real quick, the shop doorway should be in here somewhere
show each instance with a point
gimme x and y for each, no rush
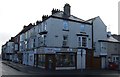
(89, 59)
(50, 62)
(35, 60)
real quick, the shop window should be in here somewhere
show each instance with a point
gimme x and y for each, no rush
(65, 60)
(41, 60)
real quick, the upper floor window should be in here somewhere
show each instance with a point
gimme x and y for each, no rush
(16, 46)
(65, 40)
(82, 28)
(44, 26)
(26, 42)
(42, 40)
(82, 41)
(33, 42)
(65, 25)
(79, 41)
(39, 28)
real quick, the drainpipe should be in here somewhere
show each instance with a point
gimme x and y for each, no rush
(92, 46)
(92, 35)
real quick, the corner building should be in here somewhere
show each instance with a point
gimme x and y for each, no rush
(59, 41)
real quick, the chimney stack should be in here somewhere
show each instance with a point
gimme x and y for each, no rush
(67, 10)
(55, 11)
(44, 17)
(109, 34)
(24, 26)
(38, 22)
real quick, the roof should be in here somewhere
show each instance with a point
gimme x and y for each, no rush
(60, 15)
(92, 19)
(116, 37)
(26, 28)
(110, 39)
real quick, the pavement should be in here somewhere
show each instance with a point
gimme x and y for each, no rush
(39, 71)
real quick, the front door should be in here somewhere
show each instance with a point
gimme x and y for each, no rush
(50, 62)
(89, 59)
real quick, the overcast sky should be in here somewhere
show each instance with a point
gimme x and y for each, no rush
(14, 14)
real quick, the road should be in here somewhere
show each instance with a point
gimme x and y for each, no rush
(6, 70)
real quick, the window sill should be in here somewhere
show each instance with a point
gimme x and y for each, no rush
(65, 30)
(43, 32)
(82, 47)
(65, 46)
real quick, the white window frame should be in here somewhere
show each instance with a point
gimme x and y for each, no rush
(42, 40)
(114, 58)
(80, 41)
(44, 26)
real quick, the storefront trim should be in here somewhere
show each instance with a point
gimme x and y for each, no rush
(65, 68)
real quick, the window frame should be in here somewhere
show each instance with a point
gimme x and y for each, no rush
(65, 40)
(80, 41)
(65, 25)
(82, 28)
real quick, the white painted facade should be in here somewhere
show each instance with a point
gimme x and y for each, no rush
(57, 32)
(81, 59)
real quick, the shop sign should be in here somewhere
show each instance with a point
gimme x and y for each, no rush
(57, 49)
(69, 50)
(49, 50)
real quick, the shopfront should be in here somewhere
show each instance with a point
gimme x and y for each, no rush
(58, 59)
(65, 60)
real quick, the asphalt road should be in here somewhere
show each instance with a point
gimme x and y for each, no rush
(6, 70)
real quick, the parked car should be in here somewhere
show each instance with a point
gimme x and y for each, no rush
(113, 66)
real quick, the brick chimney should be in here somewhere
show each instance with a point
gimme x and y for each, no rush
(67, 10)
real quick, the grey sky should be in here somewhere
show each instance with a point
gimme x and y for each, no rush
(14, 14)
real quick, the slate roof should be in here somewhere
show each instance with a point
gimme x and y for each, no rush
(92, 19)
(60, 14)
(110, 39)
